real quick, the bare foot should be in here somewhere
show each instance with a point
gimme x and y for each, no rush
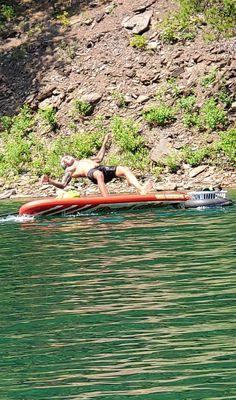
(147, 187)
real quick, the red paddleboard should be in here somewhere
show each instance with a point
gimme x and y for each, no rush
(55, 206)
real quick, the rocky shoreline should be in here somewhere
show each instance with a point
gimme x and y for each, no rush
(191, 179)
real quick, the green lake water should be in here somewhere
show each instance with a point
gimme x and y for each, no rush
(122, 306)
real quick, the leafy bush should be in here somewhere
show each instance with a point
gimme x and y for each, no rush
(24, 151)
(119, 99)
(138, 41)
(84, 108)
(214, 16)
(7, 12)
(16, 147)
(161, 115)
(221, 15)
(48, 115)
(188, 102)
(63, 18)
(22, 122)
(227, 144)
(179, 26)
(209, 78)
(172, 162)
(131, 143)
(195, 157)
(126, 134)
(190, 119)
(5, 122)
(224, 96)
(211, 115)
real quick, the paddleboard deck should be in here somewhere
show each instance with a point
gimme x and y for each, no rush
(77, 205)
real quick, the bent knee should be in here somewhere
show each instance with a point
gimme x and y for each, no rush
(120, 171)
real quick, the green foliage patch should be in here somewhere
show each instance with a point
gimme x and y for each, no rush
(159, 115)
(187, 103)
(131, 144)
(138, 41)
(48, 115)
(119, 99)
(7, 12)
(84, 108)
(216, 18)
(209, 78)
(227, 144)
(212, 116)
(195, 157)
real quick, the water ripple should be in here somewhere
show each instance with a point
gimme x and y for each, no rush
(137, 306)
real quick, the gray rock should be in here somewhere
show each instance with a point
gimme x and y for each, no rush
(46, 92)
(197, 170)
(7, 194)
(142, 99)
(138, 23)
(166, 186)
(144, 6)
(160, 150)
(177, 72)
(153, 45)
(91, 98)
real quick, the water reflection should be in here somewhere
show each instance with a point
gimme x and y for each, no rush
(114, 306)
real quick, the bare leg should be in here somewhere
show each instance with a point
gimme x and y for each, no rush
(99, 157)
(101, 184)
(132, 180)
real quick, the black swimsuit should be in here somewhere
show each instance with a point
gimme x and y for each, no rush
(108, 172)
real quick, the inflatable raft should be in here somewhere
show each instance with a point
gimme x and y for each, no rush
(68, 206)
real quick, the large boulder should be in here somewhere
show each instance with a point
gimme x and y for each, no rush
(138, 23)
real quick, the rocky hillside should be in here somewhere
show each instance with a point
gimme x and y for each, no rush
(163, 85)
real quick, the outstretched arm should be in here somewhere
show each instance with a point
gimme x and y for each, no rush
(60, 185)
(99, 157)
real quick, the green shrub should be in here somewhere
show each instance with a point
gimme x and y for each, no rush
(119, 99)
(227, 144)
(63, 18)
(157, 170)
(138, 160)
(126, 134)
(195, 157)
(216, 18)
(22, 122)
(138, 41)
(209, 78)
(211, 115)
(224, 96)
(48, 115)
(172, 162)
(173, 87)
(161, 115)
(84, 108)
(16, 147)
(179, 25)
(187, 103)
(23, 150)
(7, 12)
(5, 122)
(134, 154)
(221, 15)
(190, 119)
